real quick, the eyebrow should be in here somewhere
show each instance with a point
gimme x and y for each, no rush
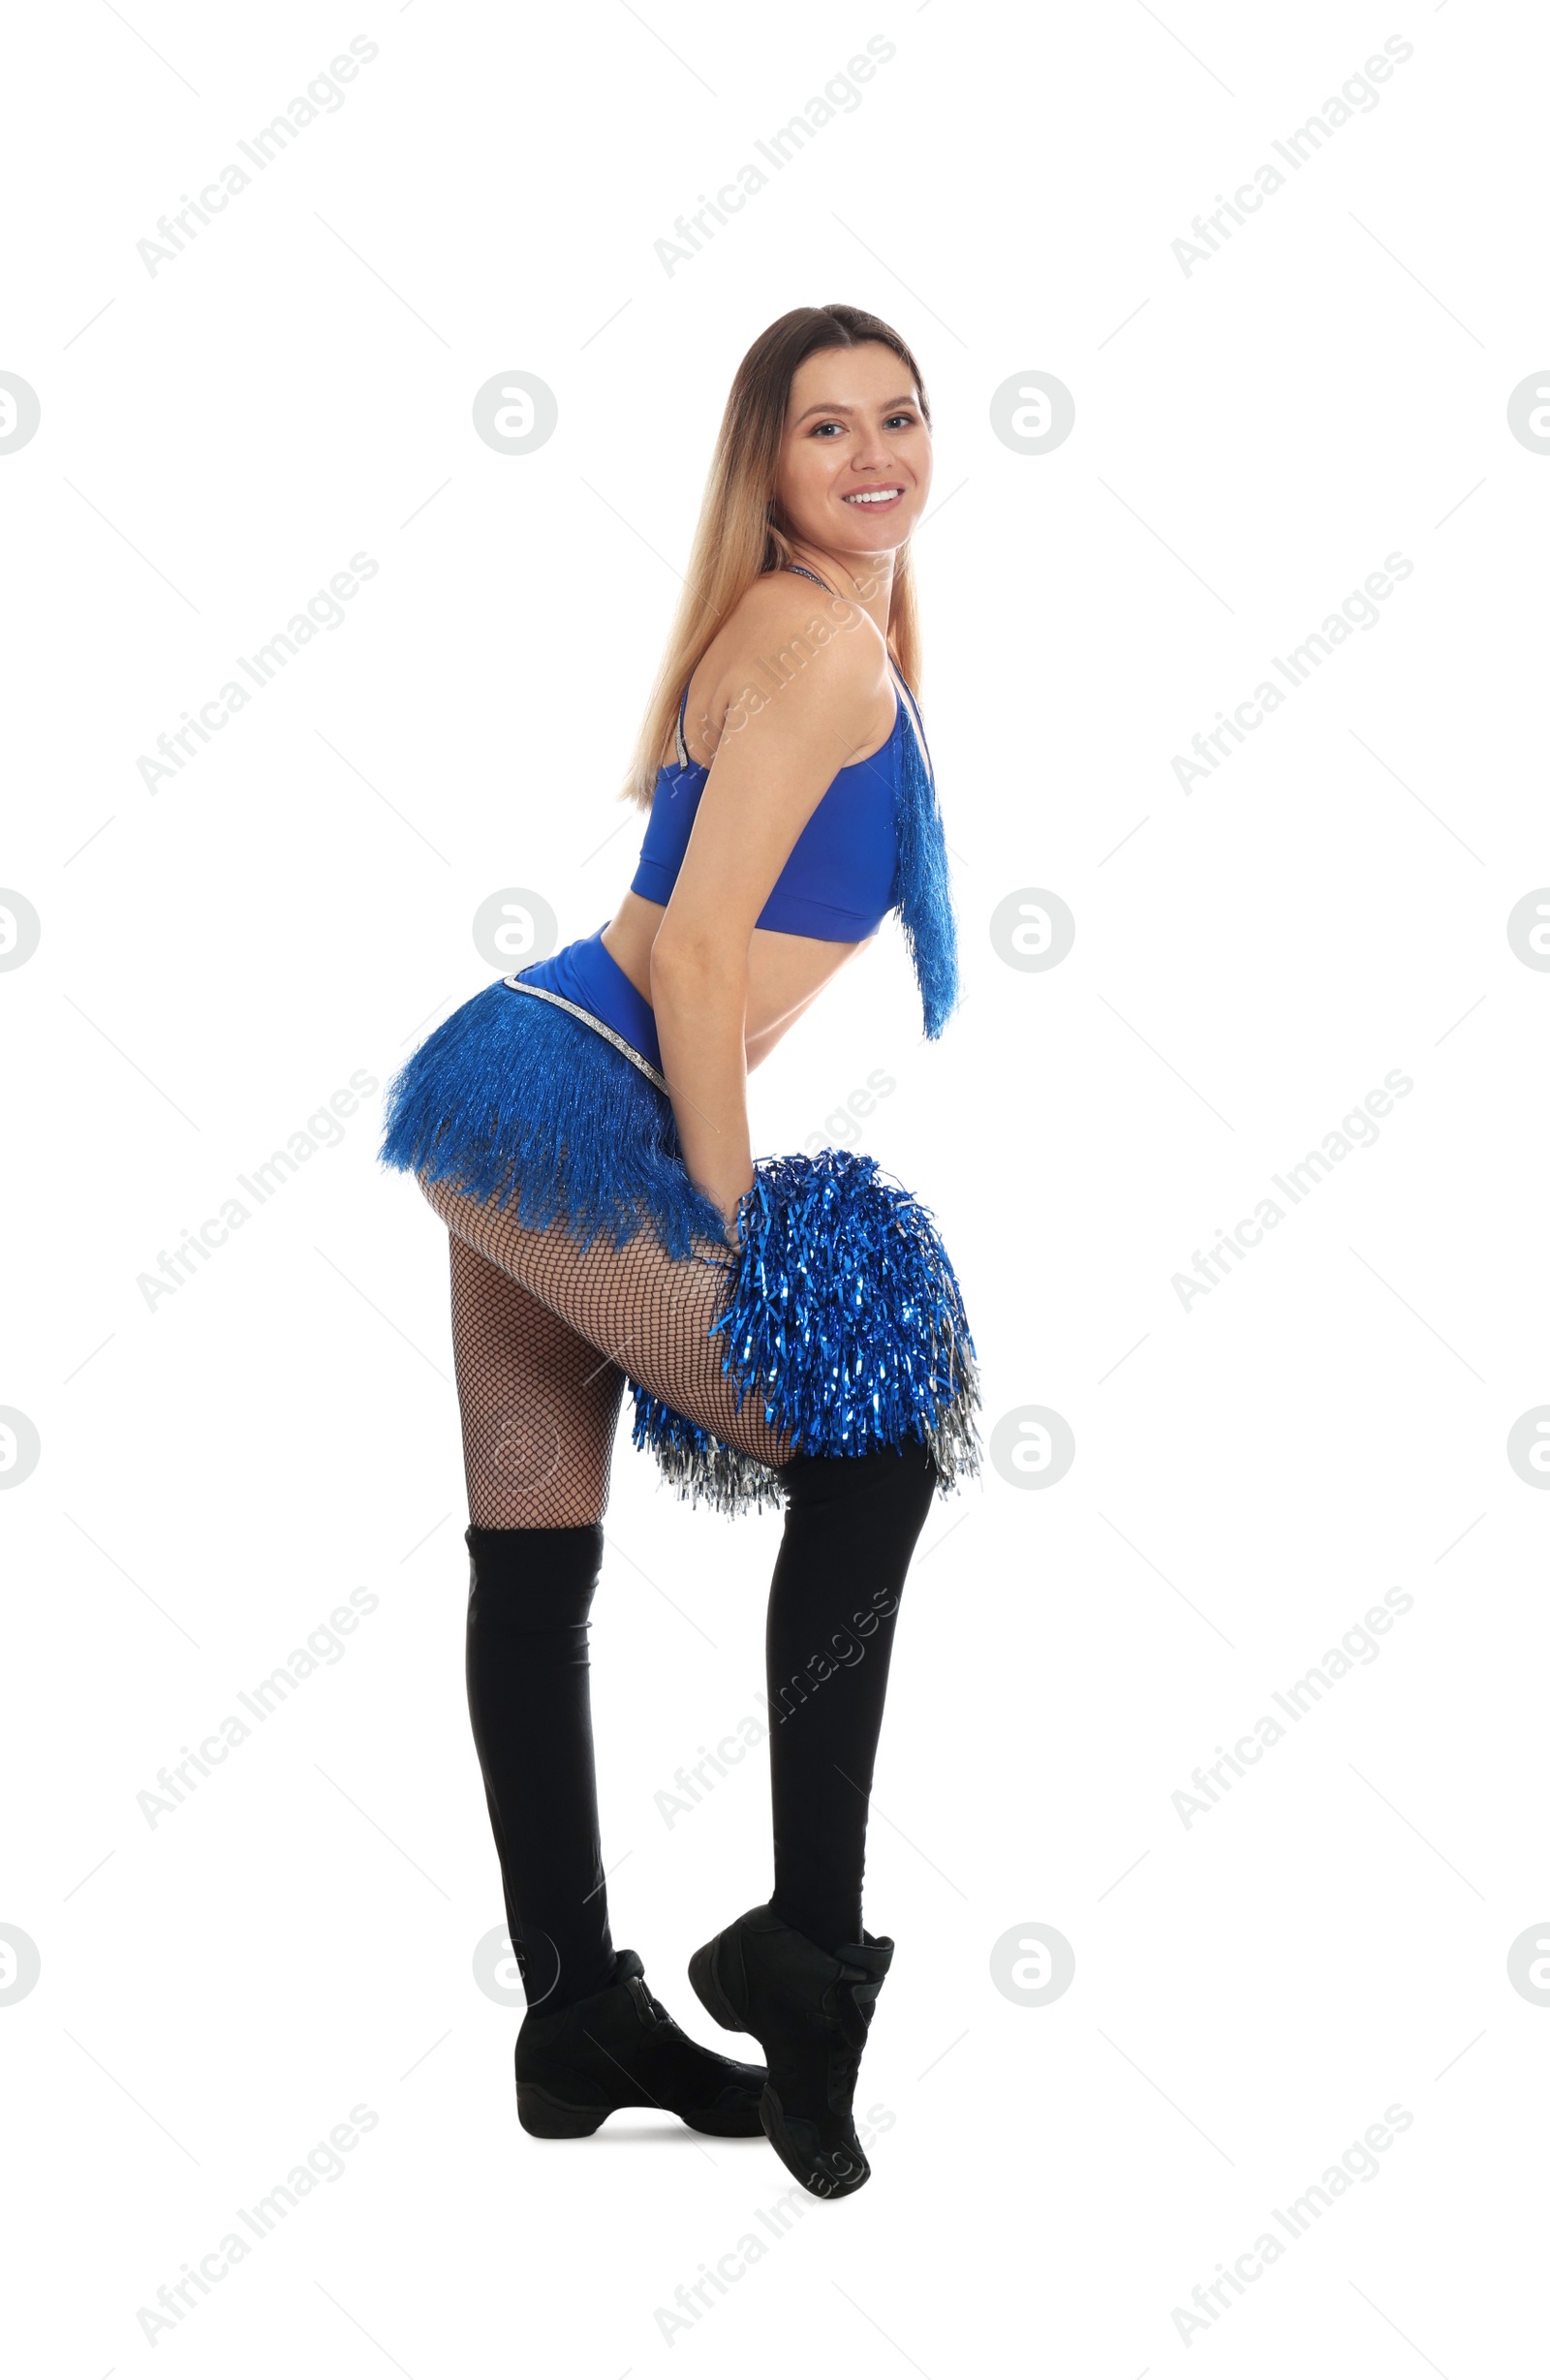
(888, 404)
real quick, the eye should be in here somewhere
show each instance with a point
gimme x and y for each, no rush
(906, 421)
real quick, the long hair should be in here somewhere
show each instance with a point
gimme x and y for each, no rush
(738, 537)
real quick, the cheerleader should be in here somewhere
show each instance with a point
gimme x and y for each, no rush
(789, 1329)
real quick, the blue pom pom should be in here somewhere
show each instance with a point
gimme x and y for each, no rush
(843, 1316)
(924, 886)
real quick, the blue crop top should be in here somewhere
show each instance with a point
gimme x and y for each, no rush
(841, 876)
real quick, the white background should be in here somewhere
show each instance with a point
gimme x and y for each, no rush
(1252, 1473)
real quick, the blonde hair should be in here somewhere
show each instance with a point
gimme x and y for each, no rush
(738, 536)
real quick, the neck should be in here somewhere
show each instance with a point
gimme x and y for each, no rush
(864, 579)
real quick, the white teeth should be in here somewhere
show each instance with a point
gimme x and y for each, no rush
(876, 495)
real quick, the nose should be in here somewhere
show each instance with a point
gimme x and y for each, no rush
(872, 451)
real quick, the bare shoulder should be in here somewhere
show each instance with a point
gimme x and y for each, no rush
(790, 655)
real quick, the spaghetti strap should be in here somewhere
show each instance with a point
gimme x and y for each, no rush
(912, 707)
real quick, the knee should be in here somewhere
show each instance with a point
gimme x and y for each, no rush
(893, 1484)
(533, 1580)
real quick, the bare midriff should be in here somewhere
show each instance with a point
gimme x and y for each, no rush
(786, 971)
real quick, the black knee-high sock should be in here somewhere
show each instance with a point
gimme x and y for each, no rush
(530, 1593)
(852, 1521)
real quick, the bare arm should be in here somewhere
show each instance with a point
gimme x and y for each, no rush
(764, 783)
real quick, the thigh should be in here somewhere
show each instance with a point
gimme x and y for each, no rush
(649, 1313)
(540, 1405)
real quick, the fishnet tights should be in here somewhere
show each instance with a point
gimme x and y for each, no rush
(542, 1335)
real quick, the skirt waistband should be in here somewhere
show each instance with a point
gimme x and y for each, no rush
(537, 991)
(588, 980)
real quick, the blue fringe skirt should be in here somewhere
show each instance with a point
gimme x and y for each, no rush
(840, 1313)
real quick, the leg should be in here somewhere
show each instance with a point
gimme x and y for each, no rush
(538, 1409)
(648, 1312)
(852, 1522)
(798, 1972)
(540, 1405)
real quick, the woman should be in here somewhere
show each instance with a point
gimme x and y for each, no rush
(790, 1332)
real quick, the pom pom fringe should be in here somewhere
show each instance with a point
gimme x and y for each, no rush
(924, 886)
(843, 1313)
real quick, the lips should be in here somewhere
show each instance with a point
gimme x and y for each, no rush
(873, 500)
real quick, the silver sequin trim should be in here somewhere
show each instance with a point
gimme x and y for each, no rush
(536, 991)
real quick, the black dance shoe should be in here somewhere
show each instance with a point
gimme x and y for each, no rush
(620, 2048)
(810, 2014)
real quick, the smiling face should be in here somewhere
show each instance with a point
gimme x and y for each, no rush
(855, 456)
